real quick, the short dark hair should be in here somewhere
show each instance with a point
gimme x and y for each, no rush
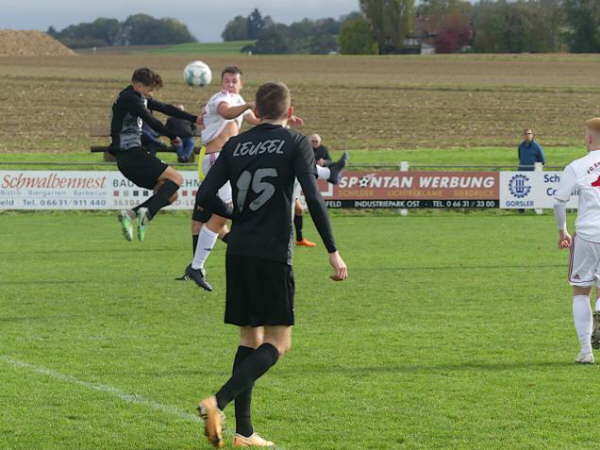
(272, 100)
(147, 77)
(232, 70)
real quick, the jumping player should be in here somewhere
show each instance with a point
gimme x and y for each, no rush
(130, 110)
(224, 114)
(261, 165)
(583, 175)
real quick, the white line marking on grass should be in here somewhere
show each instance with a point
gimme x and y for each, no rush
(130, 398)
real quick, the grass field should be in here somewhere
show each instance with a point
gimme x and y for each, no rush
(488, 158)
(396, 102)
(452, 332)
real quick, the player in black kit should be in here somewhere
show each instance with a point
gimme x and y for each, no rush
(261, 165)
(129, 111)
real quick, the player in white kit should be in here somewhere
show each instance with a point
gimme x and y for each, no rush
(583, 176)
(224, 114)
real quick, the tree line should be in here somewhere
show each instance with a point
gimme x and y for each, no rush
(137, 29)
(305, 36)
(380, 26)
(402, 26)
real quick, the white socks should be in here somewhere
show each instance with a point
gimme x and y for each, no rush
(582, 317)
(598, 304)
(323, 172)
(206, 242)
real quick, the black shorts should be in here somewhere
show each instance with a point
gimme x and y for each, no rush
(259, 292)
(140, 167)
(200, 214)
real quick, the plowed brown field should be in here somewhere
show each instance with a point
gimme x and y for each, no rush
(49, 103)
(30, 43)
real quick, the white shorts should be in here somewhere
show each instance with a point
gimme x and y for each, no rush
(584, 265)
(225, 192)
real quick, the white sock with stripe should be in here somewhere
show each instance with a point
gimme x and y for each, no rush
(206, 242)
(582, 317)
(323, 172)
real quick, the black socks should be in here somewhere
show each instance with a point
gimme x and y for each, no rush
(298, 226)
(243, 421)
(249, 370)
(160, 199)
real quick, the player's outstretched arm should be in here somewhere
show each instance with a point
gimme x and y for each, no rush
(170, 110)
(228, 112)
(318, 213)
(250, 117)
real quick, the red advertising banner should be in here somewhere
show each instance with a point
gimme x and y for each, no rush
(395, 189)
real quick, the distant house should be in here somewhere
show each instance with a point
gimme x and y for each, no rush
(427, 49)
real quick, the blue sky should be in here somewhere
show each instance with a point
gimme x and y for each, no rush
(204, 18)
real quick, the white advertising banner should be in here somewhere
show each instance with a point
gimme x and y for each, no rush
(526, 190)
(58, 189)
(62, 189)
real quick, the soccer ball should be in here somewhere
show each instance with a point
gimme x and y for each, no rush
(197, 74)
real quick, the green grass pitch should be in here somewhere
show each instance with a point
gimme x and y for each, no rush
(454, 331)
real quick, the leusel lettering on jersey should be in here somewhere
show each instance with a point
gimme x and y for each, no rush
(250, 148)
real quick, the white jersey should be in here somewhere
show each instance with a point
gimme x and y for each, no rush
(214, 123)
(583, 176)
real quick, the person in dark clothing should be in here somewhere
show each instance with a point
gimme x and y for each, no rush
(150, 140)
(186, 131)
(323, 159)
(129, 111)
(530, 151)
(321, 152)
(261, 165)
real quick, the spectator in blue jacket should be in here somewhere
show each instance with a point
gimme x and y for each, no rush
(150, 140)
(530, 151)
(186, 131)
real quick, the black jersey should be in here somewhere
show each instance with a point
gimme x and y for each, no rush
(321, 152)
(261, 165)
(130, 110)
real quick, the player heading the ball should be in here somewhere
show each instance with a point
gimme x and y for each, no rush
(129, 111)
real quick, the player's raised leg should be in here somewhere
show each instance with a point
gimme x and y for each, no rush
(333, 172)
(165, 193)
